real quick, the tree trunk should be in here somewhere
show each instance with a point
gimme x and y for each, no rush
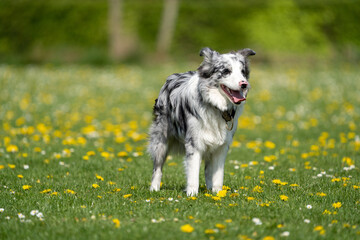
(167, 27)
(115, 30)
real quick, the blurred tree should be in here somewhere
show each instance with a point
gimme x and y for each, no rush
(121, 44)
(115, 29)
(167, 27)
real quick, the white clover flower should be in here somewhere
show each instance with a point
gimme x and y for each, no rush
(34, 212)
(21, 216)
(40, 215)
(306, 221)
(2, 210)
(147, 200)
(26, 166)
(257, 221)
(308, 206)
(285, 234)
(170, 199)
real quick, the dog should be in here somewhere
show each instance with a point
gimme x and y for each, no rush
(196, 113)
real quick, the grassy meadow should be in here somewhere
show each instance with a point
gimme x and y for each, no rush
(73, 162)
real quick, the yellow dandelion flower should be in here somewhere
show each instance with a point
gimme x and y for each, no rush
(221, 193)
(127, 195)
(234, 195)
(54, 193)
(12, 166)
(12, 148)
(99, 177)
(269, 144)
(209, 231)
(116, 222)
(258, 189)
(46, 191)
(70, 191)
(86, 157)
(20, 176)
(250, 198)
(337, 205)
(318, 228)
(26, 187)
(228, 220)
(95, 185)
(284, 198)
(90, 153)
(122, 154)
(348, 161)
(226, 188)
(276, 181)
(326, 212)
(2, 167)
(216, 198)
(105, 155)
(335, 180)
(268, 238)
(321, 194)
(187, 228)
(220, 226)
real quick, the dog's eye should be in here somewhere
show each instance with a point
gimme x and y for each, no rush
(243, 72)
(226, 72)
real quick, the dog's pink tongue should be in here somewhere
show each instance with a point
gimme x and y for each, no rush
(237, 96)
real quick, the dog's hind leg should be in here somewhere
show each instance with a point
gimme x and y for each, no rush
(158, 149)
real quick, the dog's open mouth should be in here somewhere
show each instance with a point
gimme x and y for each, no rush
(235, 96)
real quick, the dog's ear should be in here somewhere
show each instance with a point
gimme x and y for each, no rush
(247, 52)
(208, 54)
(206, 69)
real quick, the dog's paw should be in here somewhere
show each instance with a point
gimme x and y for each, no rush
(191, 191)
(154, 188)
(216, 189)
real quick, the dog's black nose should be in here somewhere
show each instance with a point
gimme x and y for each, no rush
(243, 84)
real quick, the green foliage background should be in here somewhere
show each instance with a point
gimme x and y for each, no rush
(76, 31)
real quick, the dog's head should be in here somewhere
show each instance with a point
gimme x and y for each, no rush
(225, 76)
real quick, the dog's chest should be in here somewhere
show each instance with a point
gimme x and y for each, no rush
(212, 132)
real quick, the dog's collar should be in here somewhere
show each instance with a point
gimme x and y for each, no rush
(228, 116)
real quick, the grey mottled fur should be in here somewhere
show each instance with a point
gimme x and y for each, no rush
(188, 117)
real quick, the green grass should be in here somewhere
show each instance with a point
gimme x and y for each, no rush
(297, 125)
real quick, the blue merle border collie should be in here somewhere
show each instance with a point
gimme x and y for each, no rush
(196, 114)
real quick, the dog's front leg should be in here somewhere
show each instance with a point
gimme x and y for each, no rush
(192, 162)
(214, 169)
